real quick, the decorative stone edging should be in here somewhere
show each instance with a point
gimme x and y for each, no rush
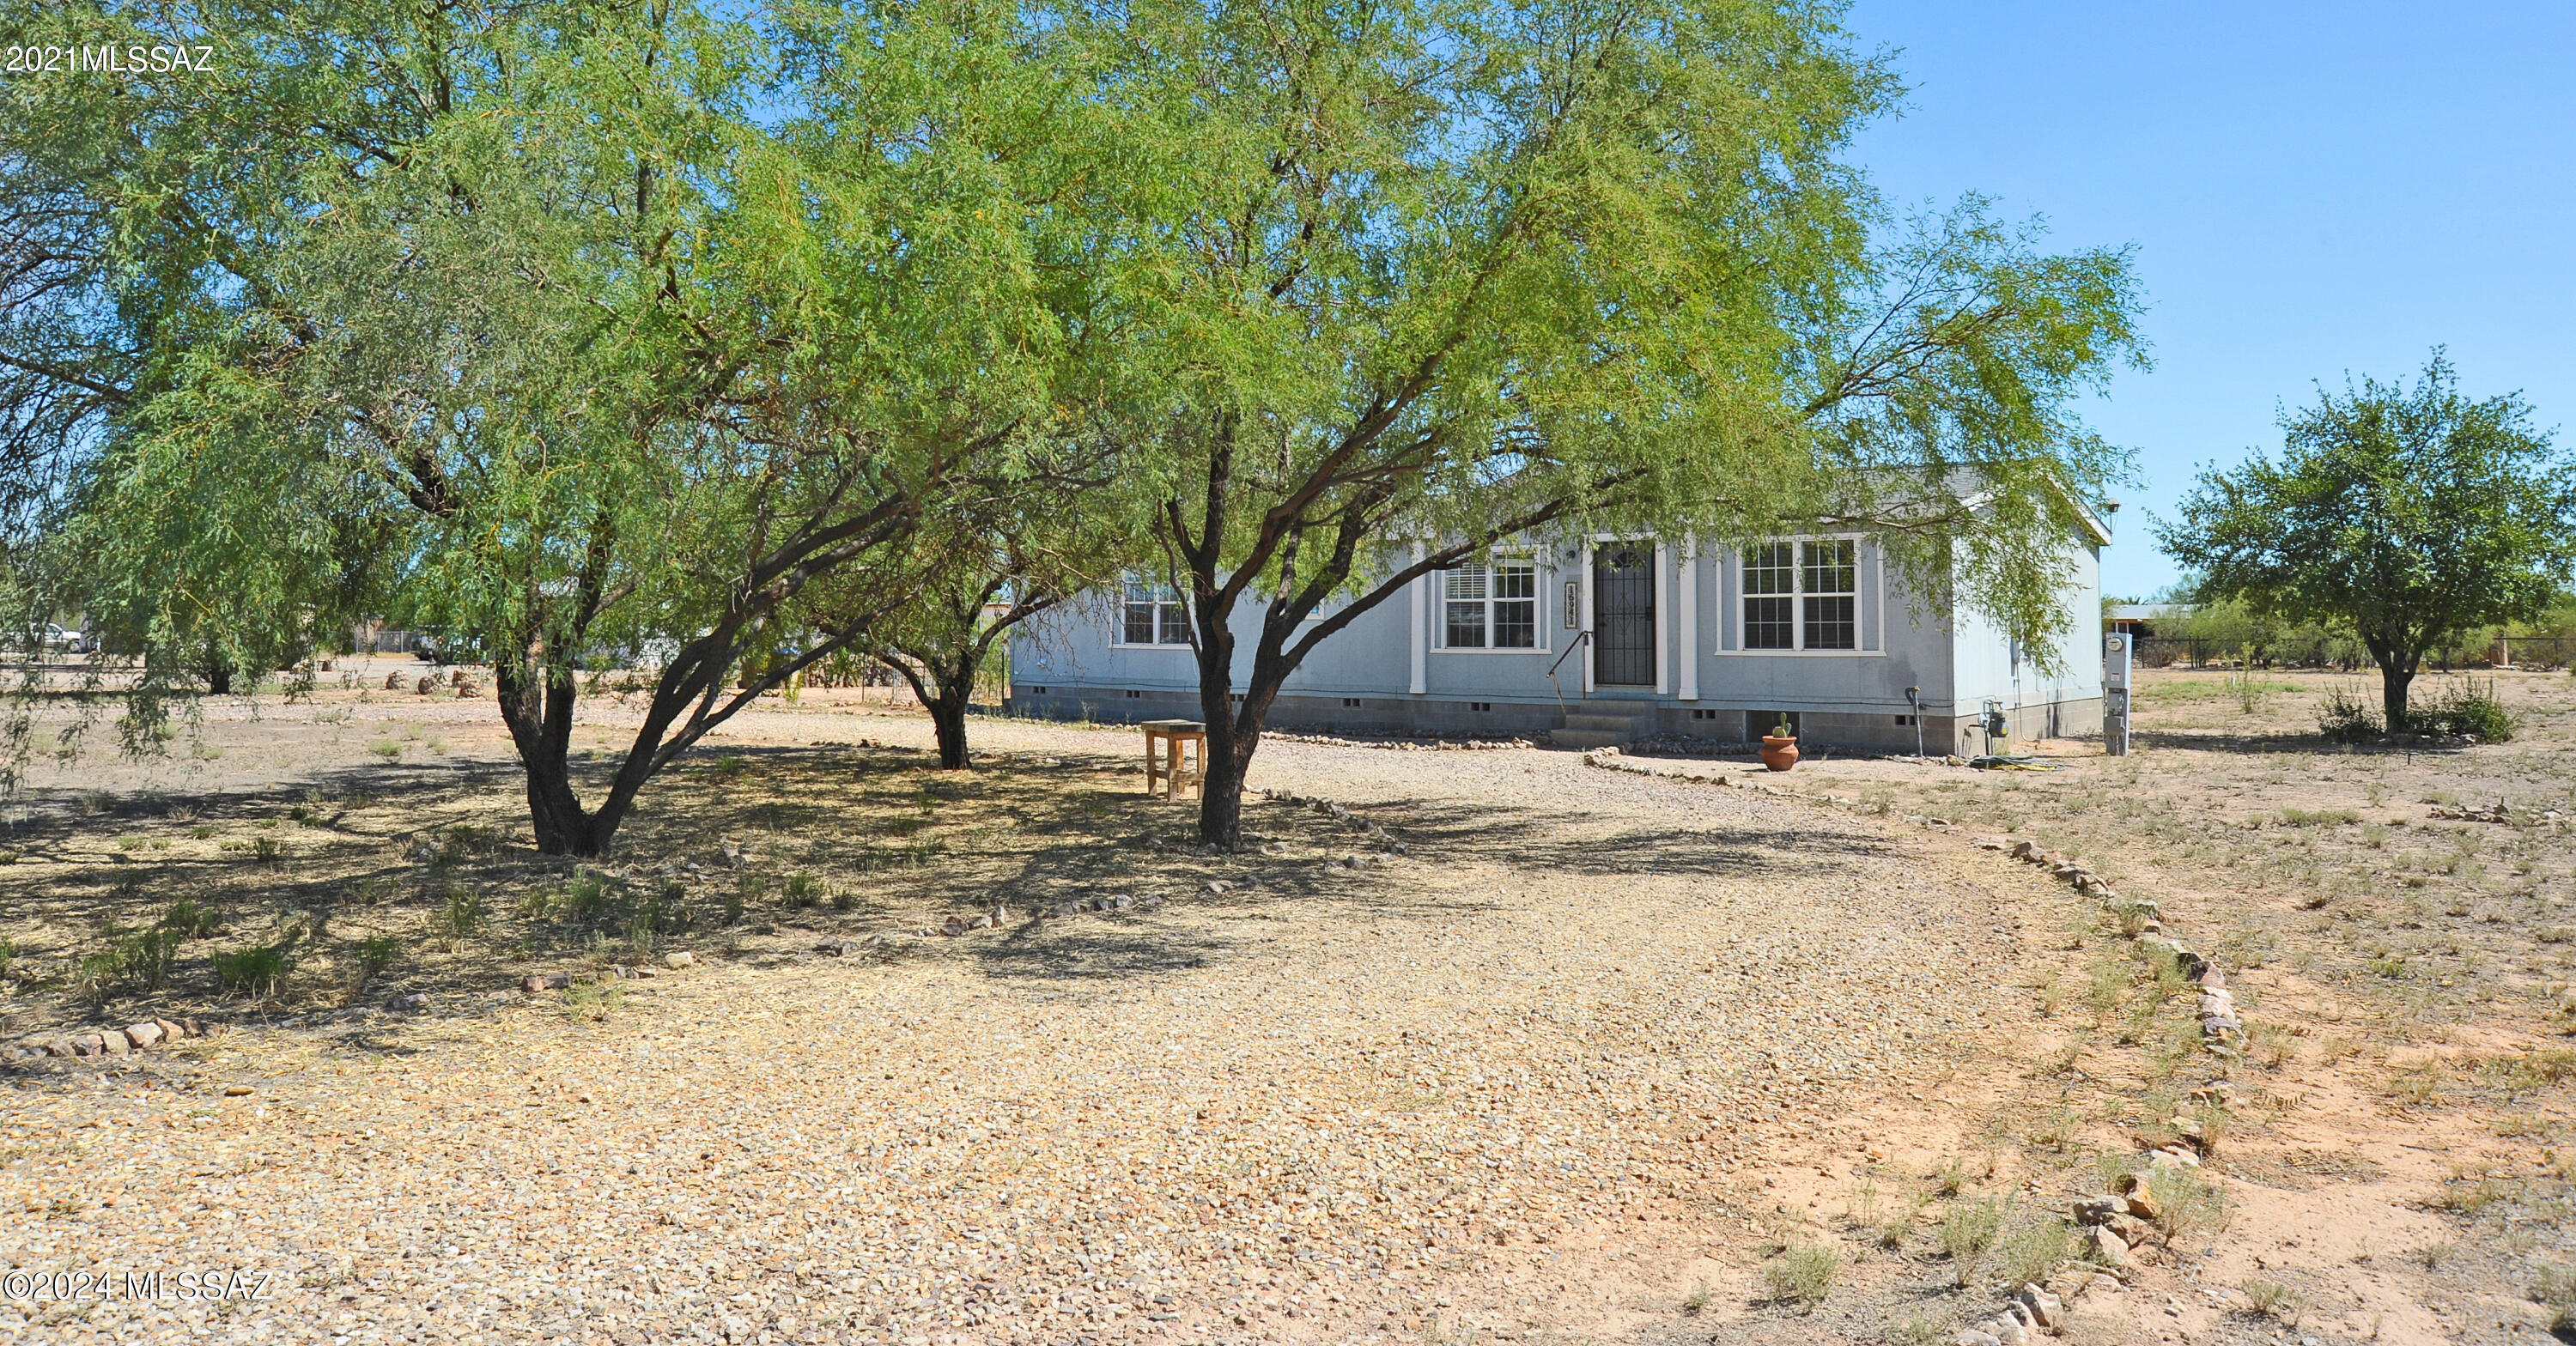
(112, 1041)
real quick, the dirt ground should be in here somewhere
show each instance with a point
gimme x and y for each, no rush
(1568, 1055)
(2405, 1168)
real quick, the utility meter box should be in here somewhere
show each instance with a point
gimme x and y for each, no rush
(2115, 693)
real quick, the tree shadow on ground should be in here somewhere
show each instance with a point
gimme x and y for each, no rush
(743, 852)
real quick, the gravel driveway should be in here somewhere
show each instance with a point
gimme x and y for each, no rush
(1443, 1096)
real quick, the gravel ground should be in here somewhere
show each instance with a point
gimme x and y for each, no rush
(1452, 1095)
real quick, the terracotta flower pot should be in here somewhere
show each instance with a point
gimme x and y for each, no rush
(1779, 754)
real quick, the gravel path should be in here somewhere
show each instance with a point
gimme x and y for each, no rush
(1427, 1099)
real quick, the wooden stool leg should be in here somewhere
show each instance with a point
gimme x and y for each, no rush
(1172, 774)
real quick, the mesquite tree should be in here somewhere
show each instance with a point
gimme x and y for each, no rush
(995, 563)
(2406, 516)
(596, 354)
(1439, 274)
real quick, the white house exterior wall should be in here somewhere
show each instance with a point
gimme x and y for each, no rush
(1068, 665)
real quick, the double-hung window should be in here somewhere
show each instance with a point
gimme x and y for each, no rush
(1153, 615)
(1802, 595)
(1490, 607)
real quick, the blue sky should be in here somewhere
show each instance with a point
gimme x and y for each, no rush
(2310, 189)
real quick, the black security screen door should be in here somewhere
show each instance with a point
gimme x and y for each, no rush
(1623, 616)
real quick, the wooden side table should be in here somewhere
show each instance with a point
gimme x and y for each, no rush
(1164, 758)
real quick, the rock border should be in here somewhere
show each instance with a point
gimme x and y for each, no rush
(102, 1042)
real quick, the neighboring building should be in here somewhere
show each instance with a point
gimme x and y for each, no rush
(2139, 619)
(1719, 646)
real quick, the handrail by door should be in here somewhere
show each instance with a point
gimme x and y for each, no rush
(1581, 639)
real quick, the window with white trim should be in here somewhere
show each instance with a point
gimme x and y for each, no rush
(1153, 615)
(1490, 607)
(1802, 595)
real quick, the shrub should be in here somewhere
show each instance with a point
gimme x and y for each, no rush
(2032, 1251)
(2271, 1299)
(2185, 1202)
(147, 955)
(375, 954)
(729, 766)
(1967, 1230)
(1804, 1272)
(588, 898)
(593, 1001)
(2554, 1289)
(2464, 710)
(188, 920)
(256, 971)
(801, 890)
(8, 955)
(2346, 716)
(463, 912)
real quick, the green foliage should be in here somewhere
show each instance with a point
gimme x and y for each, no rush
(2462, 709)
(460, 913)
(1803, 1272)
(137, 958)
(2186, 1203)
(1968, 1228)
(2272, 1299)
(255, 971)
(2345, 717)
(2554, 1289)
(2406, 516)
(2032, 1250)
(188, 919)
(375, 954)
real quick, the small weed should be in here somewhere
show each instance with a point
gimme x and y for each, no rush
(2319, 817)
(1949, 1179)
(386, 748)
(268, 851)
(1803, 1272)
(2185, 1202)
(461, 914)
(593, 1001)
(1697, 1300)
(2417, 1083)
(189, 920)
(2555, 1290)
(375, 954)
(2432, 1255)
(2033, 1250)
(1891, 1231)
(587, 898)
(255, 971)
(1967, 1230)
(2272, 1299)
(800, 891)
(729, 767)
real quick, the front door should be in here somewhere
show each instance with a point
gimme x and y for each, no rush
(1623, 615)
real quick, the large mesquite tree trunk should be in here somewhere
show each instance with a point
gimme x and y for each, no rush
(539, 689)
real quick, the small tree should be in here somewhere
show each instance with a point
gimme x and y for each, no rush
(994, 565)
(2406, 515)
(1425, 274)
(590, 357)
